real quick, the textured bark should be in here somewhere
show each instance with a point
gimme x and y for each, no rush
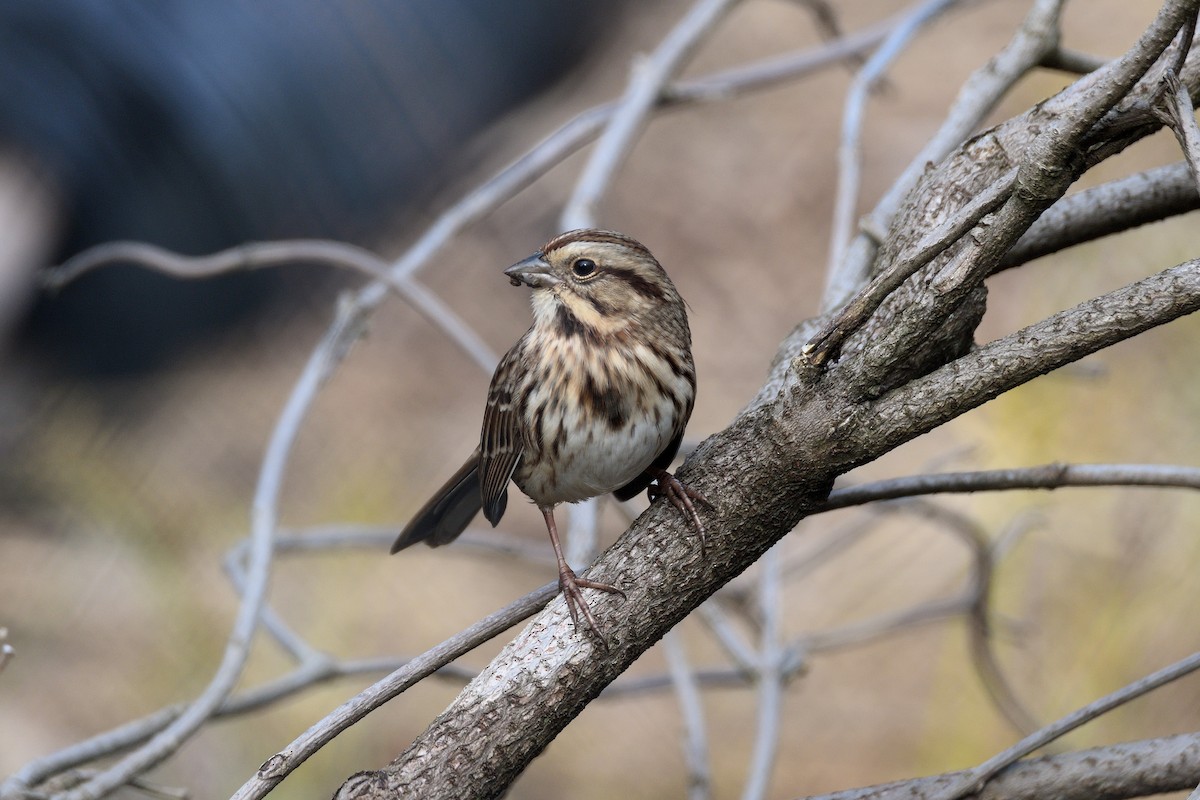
(910, 369)
(1131, 769)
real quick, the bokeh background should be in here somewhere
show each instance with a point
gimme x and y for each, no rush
(129, 460)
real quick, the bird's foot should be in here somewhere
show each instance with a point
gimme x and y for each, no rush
(684, 498)
(571, 587)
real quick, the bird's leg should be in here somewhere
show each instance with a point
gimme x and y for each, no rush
(569, 584)
(681, 496)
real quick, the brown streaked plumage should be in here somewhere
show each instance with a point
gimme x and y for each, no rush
(593, 398)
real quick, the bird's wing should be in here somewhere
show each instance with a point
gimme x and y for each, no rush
(501, 442)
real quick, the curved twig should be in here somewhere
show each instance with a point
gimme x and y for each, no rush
(631, 112)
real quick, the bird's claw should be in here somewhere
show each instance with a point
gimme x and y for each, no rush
(571, 587)
(684, 498)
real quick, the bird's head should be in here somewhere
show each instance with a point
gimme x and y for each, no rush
(595, 282)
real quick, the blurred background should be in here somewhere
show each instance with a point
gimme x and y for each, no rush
(134, 409)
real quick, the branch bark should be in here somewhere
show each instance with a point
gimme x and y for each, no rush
(906, 372)
(1130, 769)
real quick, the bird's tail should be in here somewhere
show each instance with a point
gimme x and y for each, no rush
(448, 513)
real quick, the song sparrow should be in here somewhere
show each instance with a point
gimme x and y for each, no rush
(592, 399)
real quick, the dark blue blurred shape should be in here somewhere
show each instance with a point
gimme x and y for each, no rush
(199, 124)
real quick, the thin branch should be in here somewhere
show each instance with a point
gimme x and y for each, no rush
(713, 615)
(1005, 363)
(1038, 35)
(263, 519)
(489, 541)
(631, 112)
(280, 765)
(1046, 476)
(974, 779)
(849, 148)
(259, 255)
(982, 642)
(771, 678)
(827, 343)
(1103, 210)
(881, 625)
(291, 642)
(775, 70)
(711, 678)
(691, 710)
(1065, 59)
(1183, 46)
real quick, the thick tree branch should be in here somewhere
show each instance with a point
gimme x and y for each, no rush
(1006, 363)
(907, 372)
(1115, 772)
(1038, 36)
(775, 463)
(1112, 207)
(933, 317)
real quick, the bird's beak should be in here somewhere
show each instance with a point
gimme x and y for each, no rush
(533, 271)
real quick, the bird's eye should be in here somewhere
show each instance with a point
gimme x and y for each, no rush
(583, 267)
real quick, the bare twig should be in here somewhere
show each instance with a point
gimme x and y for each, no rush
(1064, 59)
(1103, 210)
(713, 615)
(849, 155)
(771, 678)
(6, 649)
(280, 765)
(1046, 476)
(974, 779)
(259, 255)
(777, 69)
(983, 651)
(691, 710)
(1183, 46)
(828, 341)
(291, 642)
(379, 537)
(646, 86)
(1037, 36)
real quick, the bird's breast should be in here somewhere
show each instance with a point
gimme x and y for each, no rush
(596, 426)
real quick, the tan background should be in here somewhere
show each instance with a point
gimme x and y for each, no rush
(126, 495)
